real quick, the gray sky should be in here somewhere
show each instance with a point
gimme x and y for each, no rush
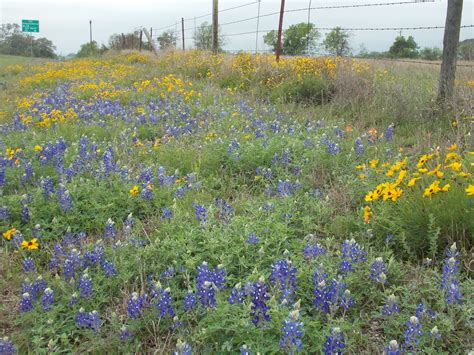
(66, 22)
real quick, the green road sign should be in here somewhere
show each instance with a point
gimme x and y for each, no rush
(30, 26)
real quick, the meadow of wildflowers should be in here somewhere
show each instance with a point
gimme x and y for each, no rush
(214, 204)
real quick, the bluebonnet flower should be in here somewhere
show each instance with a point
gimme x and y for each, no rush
(225, 211)
(47, 299)
(291, 333)
(351, 253)
(359, 147)
(4, 213)
(88, 320)
(259, 297)
(125, 335)
(449, 282)
(333, 148)
(26, 302)
(25, 214)
(136, 304)
(164, 302)
(110, 231)
(48, 186)
(85, 286)
(339, 132)
(244, 350)
(412, 334)
(109, 268)
(200, 212)
(389, 133)
(17, 239)
(390, 306)
(3, 178)
(283, 276)
(147, 191)
(7, 347)
(38, 286)
(93, 257)
(252, 238)
(166, 214)
(286, 188)
(182, 348)
(74, 299)
(65, 199)
(313, 250)
(29, 265)
(237, 294)
(334, 343)
(422, 311)
(36, 231)
(267, 206)
(378, 271)
(393, 348)
(346, 300)
(434, 333)
(190, 301)
(72, 264)
(169, 272)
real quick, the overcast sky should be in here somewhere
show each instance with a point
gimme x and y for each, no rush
(66, 22)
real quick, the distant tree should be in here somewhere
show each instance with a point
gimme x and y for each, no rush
(337, 42)
(404, 48)
(167, 39)
(88, 50)
(466, 49)
(125, 41)
(428, 53)
(203, 37)
(15, 42)
(296, 40)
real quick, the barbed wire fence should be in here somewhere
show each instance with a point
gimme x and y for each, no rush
(190, 25)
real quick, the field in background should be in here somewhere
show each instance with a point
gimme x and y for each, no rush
(229, 202)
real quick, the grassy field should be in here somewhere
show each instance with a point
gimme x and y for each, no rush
(206, 204)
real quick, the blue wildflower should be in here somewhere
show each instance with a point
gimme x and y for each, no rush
(25, 214)
(449, 281)
(390, 306)
(7, 347)
(29, 265)
(313, 250)
(259, 297)
(125, 335)
(85, 286)
(252, 238)
(136, 304)
(359, 147)
(200, 212)
(291, 333)
(283, 276)
(389, 133)
(378, 271)
(393, 348)
(182, 348)
(26, 302)
(237, 294)
(47, 299)
(225, 211)
(412, 334)
(351, 253)
(109, 268)
(190, 301)
(334, 342)
(110, 231)
(166, 214)
(164, 302)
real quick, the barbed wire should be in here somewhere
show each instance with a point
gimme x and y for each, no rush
(413, 61)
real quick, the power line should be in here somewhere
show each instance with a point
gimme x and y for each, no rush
(223, 10)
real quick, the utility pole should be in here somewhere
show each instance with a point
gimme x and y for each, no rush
(150, 41)
(309, 30)
(182, 32)
(215, 26)
(450, 47)
(90, 33)
(280, 28)
(258, 23)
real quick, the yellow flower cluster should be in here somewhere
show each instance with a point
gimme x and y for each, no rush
(448, 167)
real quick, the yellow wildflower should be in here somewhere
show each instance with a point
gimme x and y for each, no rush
(362, 176)
(30, 245)
(367, 214)
(373, 163)
(470, 190)
(463, 174)
(38, 148)
(8, 234)
(134, 191)
(453, 147)
(423, 159)
(360, 167)
(413, 181)
(455, 166)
